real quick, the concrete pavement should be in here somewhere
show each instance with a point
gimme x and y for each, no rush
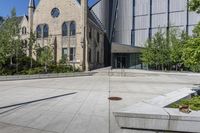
(85, 112)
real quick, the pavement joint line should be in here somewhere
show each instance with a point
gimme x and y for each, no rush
(77, 112)
(15, 125)
(39, 100)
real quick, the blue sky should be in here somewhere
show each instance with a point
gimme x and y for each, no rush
(20, 5)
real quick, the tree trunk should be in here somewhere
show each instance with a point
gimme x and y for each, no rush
(31, 62)
(162, 67)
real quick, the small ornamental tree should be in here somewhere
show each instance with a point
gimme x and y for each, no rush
(45, 57)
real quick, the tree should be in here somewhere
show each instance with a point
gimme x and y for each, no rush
(157, 52)
(177, 39)
(191, 54)
(148, 54)
(194, 5)
(1, 20)
(11, 29)
(196, 30)
(30, 48)
(45, 56)
(3, 48)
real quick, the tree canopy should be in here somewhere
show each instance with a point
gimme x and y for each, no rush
(194, 5)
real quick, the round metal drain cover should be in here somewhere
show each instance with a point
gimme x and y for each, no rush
(115, 98)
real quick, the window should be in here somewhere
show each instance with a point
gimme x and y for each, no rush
(64, 53)
(65, 29)
(90, 55)
(98, 37)
(39, 31)
(98, 57)
(55, 12)
(90, 33)
(72, 54)
(46, 31)
(24, 43)
(72, 28)
(23, 30)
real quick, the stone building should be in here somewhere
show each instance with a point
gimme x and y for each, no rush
(70, 28)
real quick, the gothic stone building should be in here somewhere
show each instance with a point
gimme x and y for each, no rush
(70, 28)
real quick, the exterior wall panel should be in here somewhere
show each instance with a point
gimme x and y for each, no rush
(141, 7)
(193, 18)
(140, 38)
(178, 5)
(141, 22)
(123, 22)
(159, 20)
(178, 18)
(159, 6)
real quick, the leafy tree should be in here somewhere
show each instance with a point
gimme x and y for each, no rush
(1, 20)
(3, 48)
(177, 40)
(30, 48)
(194, 5)
(11, 29)
(196, 30)
(157, 52)
(45, 57)
(148, 54)
(191, 54)
(10, 40)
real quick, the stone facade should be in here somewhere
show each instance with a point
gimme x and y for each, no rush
(61, 24)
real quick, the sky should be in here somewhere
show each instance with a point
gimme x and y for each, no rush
(20, 5)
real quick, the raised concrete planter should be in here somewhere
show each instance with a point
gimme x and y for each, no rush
(153, 115)
(44, 76)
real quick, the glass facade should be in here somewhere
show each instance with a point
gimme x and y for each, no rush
(127, 60)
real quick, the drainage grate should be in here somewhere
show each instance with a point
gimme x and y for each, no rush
(115, 98)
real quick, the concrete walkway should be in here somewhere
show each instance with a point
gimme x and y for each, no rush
(84, 112)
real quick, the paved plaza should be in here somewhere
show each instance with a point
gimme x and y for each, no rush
(86, 111)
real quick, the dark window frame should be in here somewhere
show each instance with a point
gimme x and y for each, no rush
(24, 30)
(72, 54)
(65, 29)
(98, 37)
(39, 31)
(73, 28)
(46, 31)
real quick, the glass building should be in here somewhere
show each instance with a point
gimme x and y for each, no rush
(129, 23)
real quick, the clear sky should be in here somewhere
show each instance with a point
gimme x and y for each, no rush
(20, 5)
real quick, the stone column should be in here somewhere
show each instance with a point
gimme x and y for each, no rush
(84, 5)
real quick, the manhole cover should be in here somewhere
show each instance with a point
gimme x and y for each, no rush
(115, 98)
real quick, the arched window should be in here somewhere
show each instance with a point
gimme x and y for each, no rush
(39, 31)
(46, 31)
(72, 28)
(23, 30)
(65, 29)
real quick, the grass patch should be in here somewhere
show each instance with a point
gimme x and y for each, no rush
(193, 103)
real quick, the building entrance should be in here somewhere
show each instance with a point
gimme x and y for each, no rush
(121, 62)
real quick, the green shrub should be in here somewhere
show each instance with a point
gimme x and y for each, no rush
(37, 70)
(193, 103)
